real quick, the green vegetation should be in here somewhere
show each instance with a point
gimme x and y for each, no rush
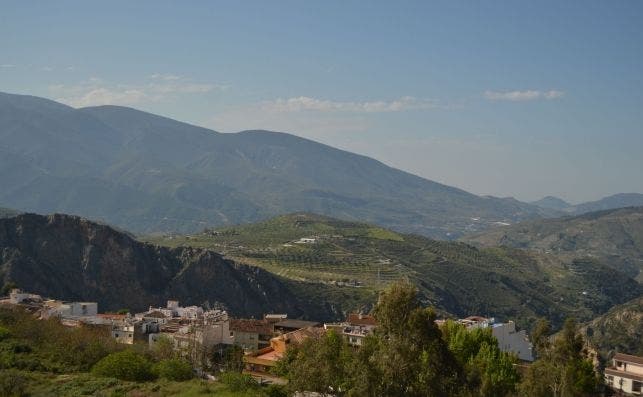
(125, 365)
(408, 355)
(45, 358)
(174, 369)
(562, 369)
(349, 262)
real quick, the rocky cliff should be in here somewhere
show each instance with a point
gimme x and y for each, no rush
(71, 258)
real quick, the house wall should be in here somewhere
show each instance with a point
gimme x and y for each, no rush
(511, 341)
(625, 385)
(247, 340)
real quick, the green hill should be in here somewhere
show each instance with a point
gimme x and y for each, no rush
(613, 237)
(455, 277)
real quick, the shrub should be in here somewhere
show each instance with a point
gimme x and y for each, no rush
(174, 369)
(4, 333)
(125, 365)
(12, 383)
(275, 390)
(238, 382)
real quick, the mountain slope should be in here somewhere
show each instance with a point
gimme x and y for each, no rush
(618, 330)
(614, 237)
(148, 173)
(71, 258)
(455, 277)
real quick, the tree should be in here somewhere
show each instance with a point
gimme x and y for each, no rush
(408, 356)
(125, 365)
(320, 365)
(489, 371)
(562, 369)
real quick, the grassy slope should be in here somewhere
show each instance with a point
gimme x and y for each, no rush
(71, 385)
(454, 277)
(614, 237)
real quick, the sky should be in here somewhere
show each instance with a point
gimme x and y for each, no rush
(507, 98)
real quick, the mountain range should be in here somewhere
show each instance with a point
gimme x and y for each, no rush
(147, 173)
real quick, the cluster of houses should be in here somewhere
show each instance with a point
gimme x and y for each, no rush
(196, 331)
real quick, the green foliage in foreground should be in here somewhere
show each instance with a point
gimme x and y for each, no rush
(407, 355)
(45, 358)
(562, 369)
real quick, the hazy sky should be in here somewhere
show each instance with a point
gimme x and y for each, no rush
(510, 98)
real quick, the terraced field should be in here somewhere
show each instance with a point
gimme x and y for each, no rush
(455, 277)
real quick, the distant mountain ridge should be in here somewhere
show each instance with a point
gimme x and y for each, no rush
(67, 257)
(552, 203)
(147, 173)
(620, 200)
(615, 237)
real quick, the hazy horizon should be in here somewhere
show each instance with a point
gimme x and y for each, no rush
(498, 99)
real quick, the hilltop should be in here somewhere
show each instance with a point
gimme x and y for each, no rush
(147, 173)
(613, 237)
(454, 277)
(70, 258)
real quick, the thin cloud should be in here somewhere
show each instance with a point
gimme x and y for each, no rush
(521, 96)
(95, 92)
(7, 66)
(303, 103)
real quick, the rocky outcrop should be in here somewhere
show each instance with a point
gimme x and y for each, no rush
(71, 258)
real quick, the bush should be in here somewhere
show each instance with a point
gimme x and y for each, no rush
(238, 382)
(174, 369)
(4, 333)
(274, 390)
(125, 365)
(12, 383)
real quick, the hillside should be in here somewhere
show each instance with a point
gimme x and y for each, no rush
(147, 173)
(454, 277)
(613, 237)
(618, 330)
(70, 258)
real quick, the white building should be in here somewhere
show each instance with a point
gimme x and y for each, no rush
(509, 340)
(626, 374)
(16, 296)
(56, 308)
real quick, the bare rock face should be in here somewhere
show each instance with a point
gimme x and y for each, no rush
(71, 258)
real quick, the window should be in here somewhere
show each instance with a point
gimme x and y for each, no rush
(636, 386)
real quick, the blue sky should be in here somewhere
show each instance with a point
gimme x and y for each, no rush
(510, 98)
